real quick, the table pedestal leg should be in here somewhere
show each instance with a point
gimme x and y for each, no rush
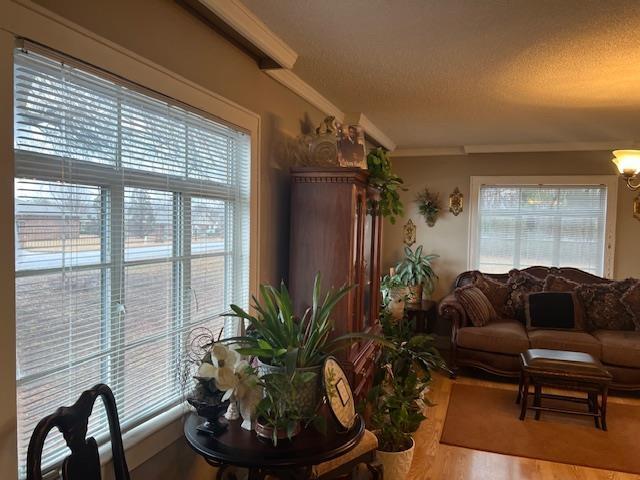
(538, 400)
(525, 395)
(603, 409)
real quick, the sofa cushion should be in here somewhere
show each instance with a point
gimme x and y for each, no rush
(603, 308)
(501, 336)
(555, 283)
(619, 347)
(476, 304)
(631, 301)
(497, 292)
(521, 284)
(572, 341)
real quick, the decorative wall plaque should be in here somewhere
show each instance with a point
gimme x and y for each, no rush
(636, 207)
(456, 202)
(409, 233)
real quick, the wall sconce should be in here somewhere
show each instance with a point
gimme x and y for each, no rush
(628, 163)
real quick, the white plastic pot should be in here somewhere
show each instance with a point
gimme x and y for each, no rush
(396, 465)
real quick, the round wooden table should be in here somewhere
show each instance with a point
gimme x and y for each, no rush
(290, 459)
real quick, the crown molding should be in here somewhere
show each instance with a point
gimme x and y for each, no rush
(371, 131)
(306, 91)
(428, 152)
(241, 20)
(514, 148)
(549, 147)
(275, 57)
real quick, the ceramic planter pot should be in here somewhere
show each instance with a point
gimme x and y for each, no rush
(397, 302)
(309, 395)
(266, 432)
(396, 465)
(398, 292)
(396, 308)
(415, 294)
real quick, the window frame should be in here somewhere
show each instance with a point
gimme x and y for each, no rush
(608, 181)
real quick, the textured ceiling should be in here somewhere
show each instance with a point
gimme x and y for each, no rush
(439, 73)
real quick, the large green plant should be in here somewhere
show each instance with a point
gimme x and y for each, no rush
(389, 184)
(278, 338)
(397, 399)
(416, 269)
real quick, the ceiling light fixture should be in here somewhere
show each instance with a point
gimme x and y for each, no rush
(628, 162)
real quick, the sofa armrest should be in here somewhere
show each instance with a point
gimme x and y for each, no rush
(452, 309)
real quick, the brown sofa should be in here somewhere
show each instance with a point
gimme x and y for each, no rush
(496, 346)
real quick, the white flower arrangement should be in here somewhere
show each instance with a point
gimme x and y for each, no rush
(234, 376)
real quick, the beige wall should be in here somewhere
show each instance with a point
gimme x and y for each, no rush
(165, 33)
(449, 237)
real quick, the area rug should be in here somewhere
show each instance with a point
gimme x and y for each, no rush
(484, 418)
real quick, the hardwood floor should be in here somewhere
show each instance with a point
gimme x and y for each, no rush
(434, 461)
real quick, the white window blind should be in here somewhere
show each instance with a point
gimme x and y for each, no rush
(548, 225)
(132, 228)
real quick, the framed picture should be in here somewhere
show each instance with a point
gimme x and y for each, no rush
(351, 149)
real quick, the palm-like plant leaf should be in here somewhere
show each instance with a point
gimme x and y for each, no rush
(278, 336)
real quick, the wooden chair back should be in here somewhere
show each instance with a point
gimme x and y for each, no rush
(84, 462)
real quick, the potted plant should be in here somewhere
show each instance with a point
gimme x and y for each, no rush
(397, 414)
(416, 272)
(389, 184)
(280, 340)
(428, 206)
(280, 415)
(397, 400)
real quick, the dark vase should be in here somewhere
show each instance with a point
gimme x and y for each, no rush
(209, 405)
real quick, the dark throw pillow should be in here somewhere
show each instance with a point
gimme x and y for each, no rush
(603, 307)
(555, 283)
(476, 305)
(553, 311)
(497, 293)
(631, 301)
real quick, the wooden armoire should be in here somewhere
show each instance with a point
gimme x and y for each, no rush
(335, 232)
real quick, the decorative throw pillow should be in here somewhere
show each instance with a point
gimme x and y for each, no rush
(631, 301)
(496, 292)
(554, 283)
(553, 311)
(521, 284)
(476, 305)
(603, 308)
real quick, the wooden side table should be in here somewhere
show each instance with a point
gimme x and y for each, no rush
(423, 314)
(289, 460)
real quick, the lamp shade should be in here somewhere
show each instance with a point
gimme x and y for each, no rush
(627, 161)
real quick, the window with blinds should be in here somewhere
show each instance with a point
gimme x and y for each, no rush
(548, 225)
(131, 227)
